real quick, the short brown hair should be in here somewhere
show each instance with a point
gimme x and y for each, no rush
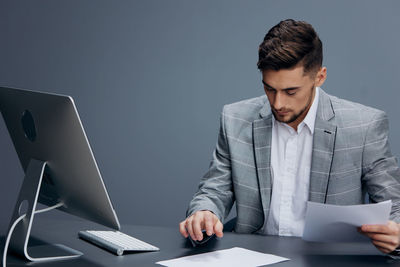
(288, 43)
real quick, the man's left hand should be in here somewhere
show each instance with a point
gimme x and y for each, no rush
(385, 237)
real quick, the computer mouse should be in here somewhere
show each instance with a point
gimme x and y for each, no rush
(203, 241)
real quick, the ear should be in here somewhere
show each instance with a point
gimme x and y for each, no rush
(320, 77)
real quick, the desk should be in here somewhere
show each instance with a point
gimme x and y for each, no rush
(172, 245)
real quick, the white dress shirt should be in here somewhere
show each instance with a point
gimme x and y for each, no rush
(291, 153)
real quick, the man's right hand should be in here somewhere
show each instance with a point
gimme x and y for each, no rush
(201, 220)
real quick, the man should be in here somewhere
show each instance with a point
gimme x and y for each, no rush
(296, 144)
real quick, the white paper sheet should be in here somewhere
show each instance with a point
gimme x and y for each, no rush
(332, 223)
(234, 257)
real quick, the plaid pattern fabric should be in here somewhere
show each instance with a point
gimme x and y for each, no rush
(350, 157)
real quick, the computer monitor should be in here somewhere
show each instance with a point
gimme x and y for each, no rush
(60, 169)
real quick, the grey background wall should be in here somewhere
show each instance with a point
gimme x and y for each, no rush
(150, 78)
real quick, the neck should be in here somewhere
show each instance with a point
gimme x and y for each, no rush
(304, 113)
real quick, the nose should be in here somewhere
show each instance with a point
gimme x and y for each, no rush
(278, 101)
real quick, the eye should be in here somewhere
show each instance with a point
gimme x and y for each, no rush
(269, 89)
(291, 91)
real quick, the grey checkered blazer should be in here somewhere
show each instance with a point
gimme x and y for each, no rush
(350, 157)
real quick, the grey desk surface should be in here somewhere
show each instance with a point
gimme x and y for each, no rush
(172, 245)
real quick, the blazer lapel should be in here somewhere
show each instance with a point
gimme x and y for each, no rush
(262, 134)
(323, 148)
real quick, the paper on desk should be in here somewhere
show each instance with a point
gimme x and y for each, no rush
(332, 223)
(227, 257)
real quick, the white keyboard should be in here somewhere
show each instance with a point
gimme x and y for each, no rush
(116, 241)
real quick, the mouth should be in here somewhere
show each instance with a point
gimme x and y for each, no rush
(281, 113)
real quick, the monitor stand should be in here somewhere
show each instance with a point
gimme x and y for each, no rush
(27, 199)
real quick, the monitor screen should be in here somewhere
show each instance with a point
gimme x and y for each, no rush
(46, 127)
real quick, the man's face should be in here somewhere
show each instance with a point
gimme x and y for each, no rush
(291, 92)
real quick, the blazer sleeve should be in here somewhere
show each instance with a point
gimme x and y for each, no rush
(215, 192)
(381, 173)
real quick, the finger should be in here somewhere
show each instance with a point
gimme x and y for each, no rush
(375, 228)
(392, 240)
(384, 250)
(182, 229)
(380, 237)
(218, 227)
(197, 222)
(209, 225)
(384, 246)
(189, 227)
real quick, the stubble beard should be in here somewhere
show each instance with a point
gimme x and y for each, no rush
(294, 117)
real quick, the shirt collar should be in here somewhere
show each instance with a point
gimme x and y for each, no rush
(309, 120)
